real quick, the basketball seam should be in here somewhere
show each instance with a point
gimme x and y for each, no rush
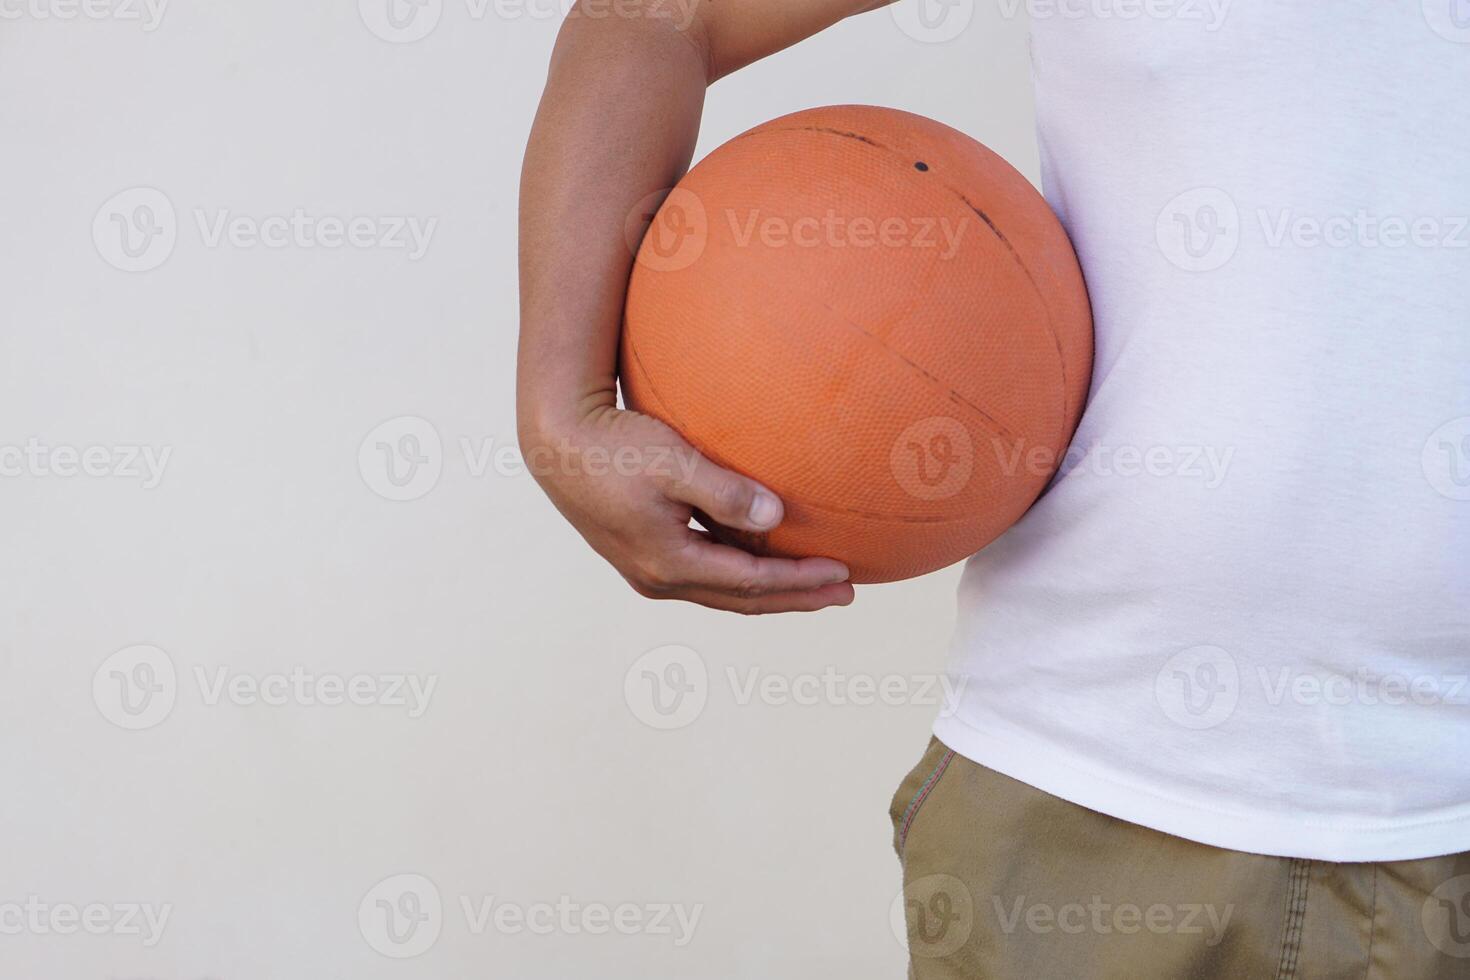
(674, 421)
(668, 413)
(1041, 298)
(995, 425)
(1046, 310)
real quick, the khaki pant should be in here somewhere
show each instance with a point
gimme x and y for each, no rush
(1004, 881)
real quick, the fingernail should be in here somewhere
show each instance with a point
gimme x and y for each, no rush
(841, 575)
(765, 509)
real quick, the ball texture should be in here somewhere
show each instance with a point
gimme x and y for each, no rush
(876, 317)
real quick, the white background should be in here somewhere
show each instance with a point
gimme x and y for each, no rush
(266, 546)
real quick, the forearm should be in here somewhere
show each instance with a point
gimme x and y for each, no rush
(618, 124)
(618, 121)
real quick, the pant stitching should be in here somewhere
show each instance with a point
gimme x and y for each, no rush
(1296, 952)
(1296, 909)
(1289, 926)
(1372, 925)
(913, 808)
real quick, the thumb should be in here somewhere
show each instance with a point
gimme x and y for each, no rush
(727, 497)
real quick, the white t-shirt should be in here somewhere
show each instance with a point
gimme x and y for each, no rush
(1242, 613)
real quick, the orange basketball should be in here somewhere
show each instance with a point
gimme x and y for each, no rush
(874, 316)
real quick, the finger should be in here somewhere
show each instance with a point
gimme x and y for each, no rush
(731, 499)
(707, 564)
(809, 600)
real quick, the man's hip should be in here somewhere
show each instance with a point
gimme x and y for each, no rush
(1002, 880)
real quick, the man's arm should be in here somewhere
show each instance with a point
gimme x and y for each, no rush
(618, 121)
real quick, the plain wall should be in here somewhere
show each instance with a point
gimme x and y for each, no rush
(535, 773)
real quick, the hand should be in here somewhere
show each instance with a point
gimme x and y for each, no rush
(630, 485)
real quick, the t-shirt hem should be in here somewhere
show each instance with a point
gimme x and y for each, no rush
(1308, 836)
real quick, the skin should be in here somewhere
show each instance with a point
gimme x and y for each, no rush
(618, 121)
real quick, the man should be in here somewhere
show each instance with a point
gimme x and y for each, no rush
(1218, 703)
